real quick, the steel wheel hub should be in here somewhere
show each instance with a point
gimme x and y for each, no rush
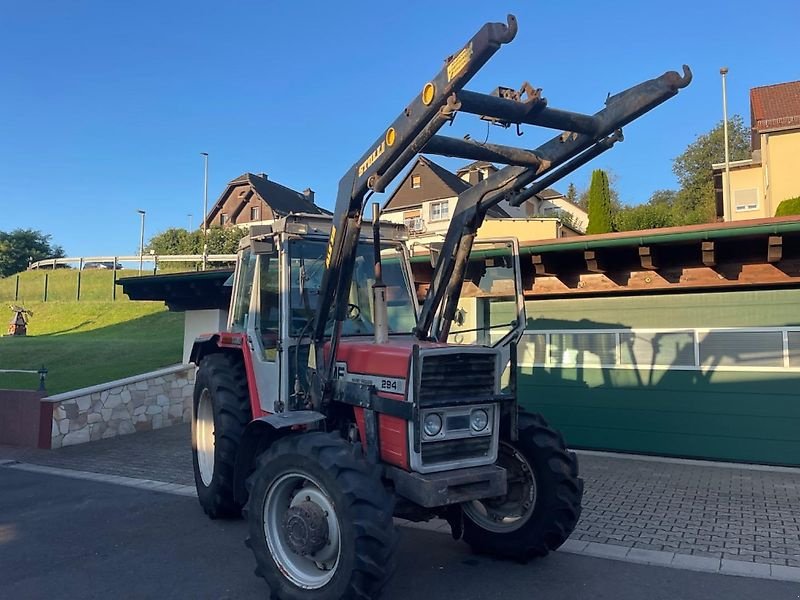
(510, 512)
(305, 528)
(302, 530)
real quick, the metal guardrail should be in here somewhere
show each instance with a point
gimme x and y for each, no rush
(42, 373)
(82, 261)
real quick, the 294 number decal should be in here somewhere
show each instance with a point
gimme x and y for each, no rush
(389, 385)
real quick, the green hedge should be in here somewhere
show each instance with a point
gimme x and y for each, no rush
(788, 207)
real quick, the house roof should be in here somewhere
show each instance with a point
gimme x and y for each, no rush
(775, 106)
(478, 164)
(437, 183)
(281, 199)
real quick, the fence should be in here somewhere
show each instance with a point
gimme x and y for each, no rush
(42, 373)
(92, 278)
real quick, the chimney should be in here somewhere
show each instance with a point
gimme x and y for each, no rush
(309, 194)
(263, 175)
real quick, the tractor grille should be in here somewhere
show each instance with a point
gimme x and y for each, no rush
(449, 378)
(453, 450)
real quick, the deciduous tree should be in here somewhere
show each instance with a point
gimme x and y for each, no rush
(20, 247)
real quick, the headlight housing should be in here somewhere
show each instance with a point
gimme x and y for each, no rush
(432, 424)
(478, 420)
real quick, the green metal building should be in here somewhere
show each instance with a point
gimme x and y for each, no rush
(673, 342)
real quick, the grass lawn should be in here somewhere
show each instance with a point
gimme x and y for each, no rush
(87, 342)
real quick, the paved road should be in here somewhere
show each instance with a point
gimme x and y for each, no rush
(67, 538)
(690, 509)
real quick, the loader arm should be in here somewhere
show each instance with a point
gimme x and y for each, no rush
(386, 157)
(528, 172)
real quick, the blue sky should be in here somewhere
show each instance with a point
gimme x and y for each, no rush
(106, 106)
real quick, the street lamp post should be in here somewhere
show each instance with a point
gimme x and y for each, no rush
(205, 209)
(728, 208)
(141, 241)
(190, 221)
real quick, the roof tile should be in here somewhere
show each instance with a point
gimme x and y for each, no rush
(776, 106)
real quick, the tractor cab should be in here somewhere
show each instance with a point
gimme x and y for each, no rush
(276, 289)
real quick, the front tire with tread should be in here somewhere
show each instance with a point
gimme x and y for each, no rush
(366, 532)
(557, 504)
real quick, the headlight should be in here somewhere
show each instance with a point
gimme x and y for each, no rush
(478, 420)
(432, 424)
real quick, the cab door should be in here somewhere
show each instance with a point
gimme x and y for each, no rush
(264, 328)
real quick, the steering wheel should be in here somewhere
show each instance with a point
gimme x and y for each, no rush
(353, 311)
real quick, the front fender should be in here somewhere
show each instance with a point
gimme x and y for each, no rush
(259, 434)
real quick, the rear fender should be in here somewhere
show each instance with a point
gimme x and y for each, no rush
(233, 343)
(259, 434)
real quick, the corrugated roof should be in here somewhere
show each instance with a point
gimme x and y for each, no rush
(776, 106)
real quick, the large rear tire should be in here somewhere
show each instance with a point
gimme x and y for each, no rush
(320, 520)
(543, 503)
(221, 411)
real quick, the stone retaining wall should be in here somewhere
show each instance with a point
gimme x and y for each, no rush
(140, 403)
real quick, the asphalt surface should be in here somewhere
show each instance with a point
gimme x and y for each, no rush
(68, 538)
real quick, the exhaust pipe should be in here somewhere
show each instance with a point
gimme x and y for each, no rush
(380, 316)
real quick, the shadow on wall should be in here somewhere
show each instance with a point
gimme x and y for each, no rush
(722, 394)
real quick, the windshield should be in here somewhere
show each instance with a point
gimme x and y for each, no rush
(307, 258)
(487, 306)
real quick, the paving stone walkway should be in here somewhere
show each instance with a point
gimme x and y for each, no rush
(723, 513)
(708, 511)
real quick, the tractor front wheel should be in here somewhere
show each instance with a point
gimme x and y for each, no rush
(543, 501)
(320, 520)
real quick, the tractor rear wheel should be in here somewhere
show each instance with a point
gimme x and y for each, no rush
(543, 502)
(320, 520)
(221, 411)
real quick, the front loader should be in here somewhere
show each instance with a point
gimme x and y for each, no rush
(334, 402)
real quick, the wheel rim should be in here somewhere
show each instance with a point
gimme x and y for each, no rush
(308, 572)
(510, 512)
(205, 437)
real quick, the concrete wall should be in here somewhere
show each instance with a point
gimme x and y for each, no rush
(140, 403)
(525, 230)
(196, 322)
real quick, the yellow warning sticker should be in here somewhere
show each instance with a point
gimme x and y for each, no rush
(459, 63)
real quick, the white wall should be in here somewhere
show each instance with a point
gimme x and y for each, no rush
(197, 322)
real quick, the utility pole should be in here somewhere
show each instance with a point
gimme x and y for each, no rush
(205, 209)
(728, 204)
(141, 241)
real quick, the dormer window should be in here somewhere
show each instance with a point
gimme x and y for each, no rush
(416, 181)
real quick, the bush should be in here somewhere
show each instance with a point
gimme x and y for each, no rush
(788, 207)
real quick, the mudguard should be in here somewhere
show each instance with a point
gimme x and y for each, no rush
(259, 435)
